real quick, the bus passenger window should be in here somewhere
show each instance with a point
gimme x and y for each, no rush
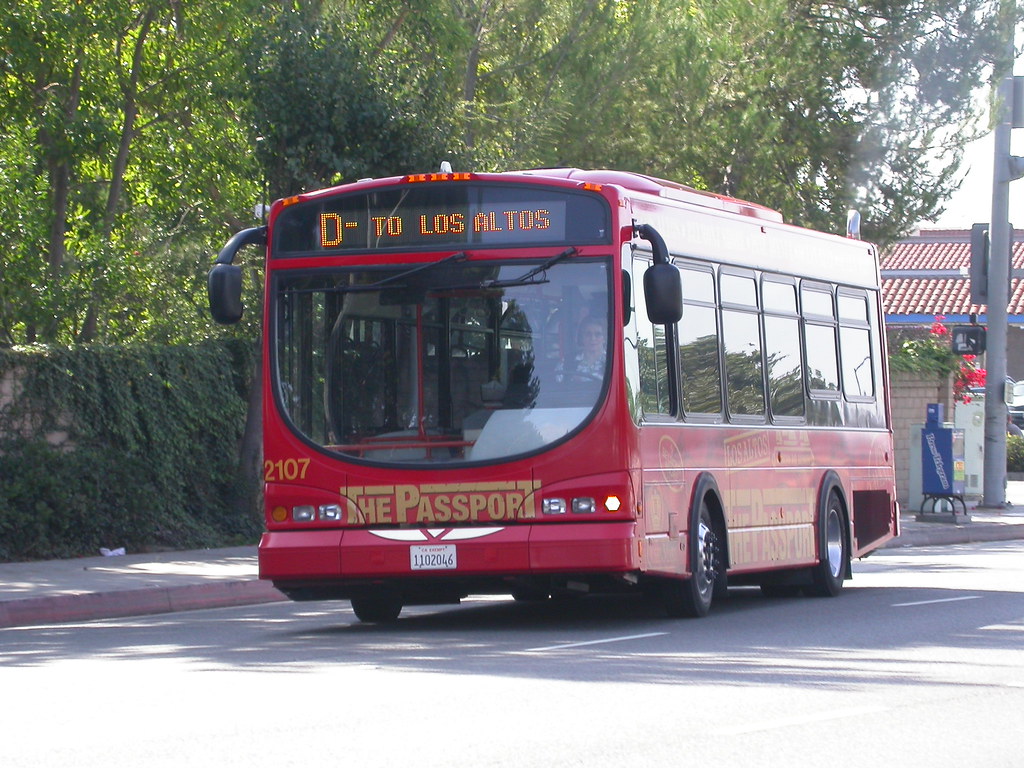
(820, 337)
(858, 380)
(652, 351)
(782, 347)
(699, 344)
(785, 372)
(744, 384)
(698, 359)
(822, 369)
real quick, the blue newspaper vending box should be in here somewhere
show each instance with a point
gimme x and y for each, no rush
(942, 456)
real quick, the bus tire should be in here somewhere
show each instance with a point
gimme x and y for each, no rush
(376, 610)
(692, 597)
(827, 576)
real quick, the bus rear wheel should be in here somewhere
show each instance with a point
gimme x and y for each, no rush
(376, 610)
(827, 576)
(692, 597)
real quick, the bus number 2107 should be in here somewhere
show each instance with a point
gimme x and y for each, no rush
(285, 469)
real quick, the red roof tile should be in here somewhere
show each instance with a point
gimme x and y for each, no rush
(933, 250)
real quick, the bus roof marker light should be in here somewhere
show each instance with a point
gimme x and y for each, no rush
(422, 177)
(853, 224)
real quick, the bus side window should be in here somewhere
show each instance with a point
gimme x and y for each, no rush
(698, 345)
(820, 339)
(782, 348)
(855, 346)
(741, 341)
(653, 356)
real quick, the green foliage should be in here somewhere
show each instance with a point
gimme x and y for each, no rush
(126, 154)
(1014, 453)
(136, 133)
(925, 355)
(328, 110)
(933, 355)
(150, 457)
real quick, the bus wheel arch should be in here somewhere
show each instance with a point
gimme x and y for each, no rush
(706, 555)
(832, 535)
(706, 489)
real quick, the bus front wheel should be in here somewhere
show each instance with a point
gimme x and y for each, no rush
(377, 610)
(691, 598)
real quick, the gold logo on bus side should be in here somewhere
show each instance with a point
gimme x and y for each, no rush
(749, 449)
(432, 503)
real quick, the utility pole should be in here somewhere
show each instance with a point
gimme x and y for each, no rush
(1005, 169)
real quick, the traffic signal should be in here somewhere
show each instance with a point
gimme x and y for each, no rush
(979, 264)
(968, 339)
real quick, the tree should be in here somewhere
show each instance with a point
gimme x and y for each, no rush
(805, 106)
(808, 107)
(328, 106)
(110, 104)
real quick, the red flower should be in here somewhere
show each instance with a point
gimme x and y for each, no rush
(938, 329)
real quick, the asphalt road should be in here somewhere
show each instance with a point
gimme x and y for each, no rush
(920, 662)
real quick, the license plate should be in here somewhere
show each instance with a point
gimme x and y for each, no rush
(434, 557)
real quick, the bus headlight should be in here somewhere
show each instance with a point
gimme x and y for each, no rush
(612, 504)
(330, 512)
(553, 506)
(304, 513)
(584, 505)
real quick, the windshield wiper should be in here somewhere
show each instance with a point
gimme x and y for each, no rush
(455, 257)
(527, 278)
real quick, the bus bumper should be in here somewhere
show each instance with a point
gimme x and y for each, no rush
(342, 555)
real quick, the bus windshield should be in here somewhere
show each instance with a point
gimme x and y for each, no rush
(451, 362)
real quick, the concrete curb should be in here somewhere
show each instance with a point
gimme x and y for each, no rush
(112, 598)
(969, 533)
(135, 602)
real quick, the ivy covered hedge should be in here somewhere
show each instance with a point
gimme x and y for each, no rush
(133, 447)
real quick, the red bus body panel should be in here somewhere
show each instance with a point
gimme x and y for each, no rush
(769, 477)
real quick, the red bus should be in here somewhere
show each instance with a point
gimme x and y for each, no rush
(562, 381)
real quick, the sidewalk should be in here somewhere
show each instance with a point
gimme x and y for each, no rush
(99, 587)
(55, 591)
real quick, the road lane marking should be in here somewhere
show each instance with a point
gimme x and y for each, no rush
(594, 642)
(932, 602)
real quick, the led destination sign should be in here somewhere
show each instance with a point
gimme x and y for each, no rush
(519, 225)
(437, 216)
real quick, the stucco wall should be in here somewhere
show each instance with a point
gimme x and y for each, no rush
(909, 394)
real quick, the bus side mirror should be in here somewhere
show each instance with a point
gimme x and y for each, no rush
(224, 287)
(663, 287)
(224, 283)
(663, 292)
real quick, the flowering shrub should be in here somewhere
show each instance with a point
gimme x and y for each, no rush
(934, 355)
(1014, 453)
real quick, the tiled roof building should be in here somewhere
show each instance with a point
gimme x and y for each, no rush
(927, 275)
